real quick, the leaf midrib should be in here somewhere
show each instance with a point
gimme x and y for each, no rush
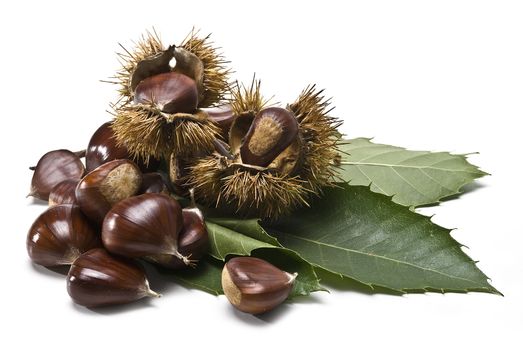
(356, 163)
(382, 257)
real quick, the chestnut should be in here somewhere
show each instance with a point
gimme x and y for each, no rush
(53, 168)
(193, 241)
(255, 286)
(63, 193)
(103, 148)
(171, 92)
(148, 224)
(105, 186)
(59, 235)
(272, 131)
(97, 279)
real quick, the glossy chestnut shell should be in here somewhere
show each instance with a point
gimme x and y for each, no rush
(144, 225)
(193, 241)
(255, 286)
(103, 148)
(105, 186)
(271, 132)
(53, 168)
(98, 278)
(171, 92)
(59, 235)
(63, 193)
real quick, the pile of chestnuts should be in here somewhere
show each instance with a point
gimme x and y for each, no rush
(104, 220)
(179, 130)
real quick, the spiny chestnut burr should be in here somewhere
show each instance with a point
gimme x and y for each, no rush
(53, 168)
(105, 186)
(103, 148)
(63, 193)
(278, 163)
(60, 235)
(154, 183)
(170, 92)
(163, 89)
(271, 132)
(255, 286)
(97, 279)
(144, 225)
(196, 57)
(193, 241)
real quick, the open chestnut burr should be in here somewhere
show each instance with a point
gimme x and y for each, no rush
(98, 278)
(144, 225)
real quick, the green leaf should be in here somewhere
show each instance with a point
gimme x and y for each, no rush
(248, 227)
(226, 242)
(363, 235)
(414, 178)
(207, 276)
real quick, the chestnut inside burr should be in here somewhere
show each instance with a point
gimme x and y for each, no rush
(171, 92)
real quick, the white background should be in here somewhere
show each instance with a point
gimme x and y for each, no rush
(438, 75)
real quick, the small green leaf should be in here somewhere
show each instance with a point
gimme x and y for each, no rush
(226, 242)
(414, 178)
(363, 235)
(248, 227)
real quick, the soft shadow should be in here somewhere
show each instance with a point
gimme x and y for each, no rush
(335, 282)
(246, 318)
(55, 272)
(37, 201)
(115, 309)
(280, 311)
(160, 280)
(274, 315)
(466, 189)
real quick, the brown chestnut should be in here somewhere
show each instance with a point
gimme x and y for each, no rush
(171, 92)
(63, 193)
(144, 225)
(53, 168)
(97, 279)
(255, 286)
(59, 235)
(103, 148)
(193, 241)
(105, 186)
(272, 131)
